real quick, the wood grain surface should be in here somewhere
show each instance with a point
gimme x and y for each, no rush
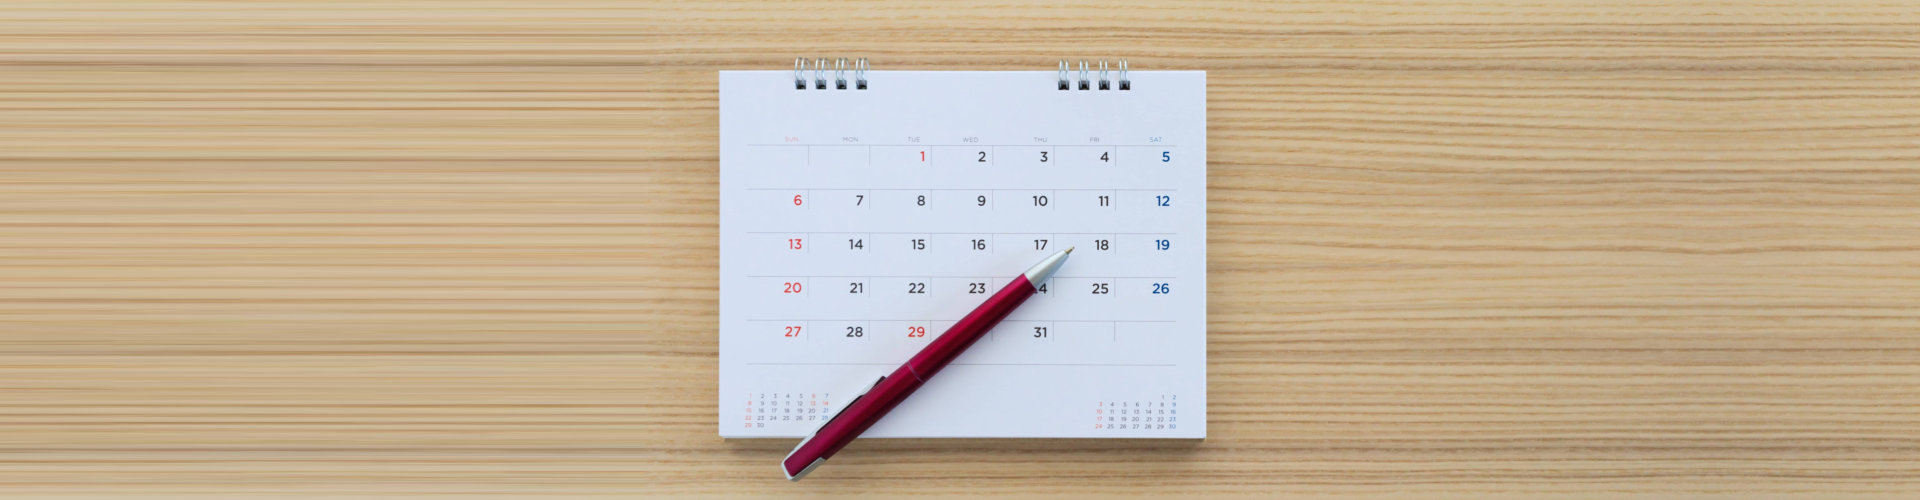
(1649, 248)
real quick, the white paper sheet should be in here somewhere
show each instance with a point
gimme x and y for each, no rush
(856, 225)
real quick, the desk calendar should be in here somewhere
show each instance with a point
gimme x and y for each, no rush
(862, 213)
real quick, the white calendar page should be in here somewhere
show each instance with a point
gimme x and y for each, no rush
(857, 225)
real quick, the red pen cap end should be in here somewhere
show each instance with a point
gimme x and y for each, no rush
(795, 471)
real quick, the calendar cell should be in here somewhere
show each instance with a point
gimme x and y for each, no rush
(842, 331)
(904, 291)
(837, 203)
(1086, 158)
(1099, 243)
(965, 245)
(1088, 334)
(1025, 208)
(780, 165)
(901, 247)
(980, 286)
(784, 208)
(837, 160)
(1037, 164)
(898, 157)
(955, 296)
(938, 327)
(1094, 206)
(1027, 158)
(1146, 334)
(914, 332)
(976, 158)
(1162, 158)
(790, 288)
(853, 243)
(1159, 245)
(898, 167)
(780, 249)
(788, 331)
(1034, 245)
(971, 205)
(855, 287)
(1025, 332)
(912, 202)
(1146, 293)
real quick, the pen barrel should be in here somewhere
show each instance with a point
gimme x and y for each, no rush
(886, 393)
(969, 329)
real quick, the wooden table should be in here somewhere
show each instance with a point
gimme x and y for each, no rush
(1655, 249)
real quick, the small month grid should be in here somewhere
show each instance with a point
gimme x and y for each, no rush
(1162, 413)
(784, 409)
(847, 244)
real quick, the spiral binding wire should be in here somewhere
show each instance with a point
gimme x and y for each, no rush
(840, 68)
(1106, 82)
(1112, 76)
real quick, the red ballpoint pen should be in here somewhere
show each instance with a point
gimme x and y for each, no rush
(890, 390)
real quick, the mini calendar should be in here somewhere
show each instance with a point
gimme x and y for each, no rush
(864, 212)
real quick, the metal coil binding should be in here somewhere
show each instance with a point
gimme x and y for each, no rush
(820, 73)
(800, 73)
(840, 68)
(1112, 76)
(1106, 79)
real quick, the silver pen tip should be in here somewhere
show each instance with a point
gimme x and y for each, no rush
(1041, 271)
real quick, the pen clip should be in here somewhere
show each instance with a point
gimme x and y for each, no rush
(823, 424)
